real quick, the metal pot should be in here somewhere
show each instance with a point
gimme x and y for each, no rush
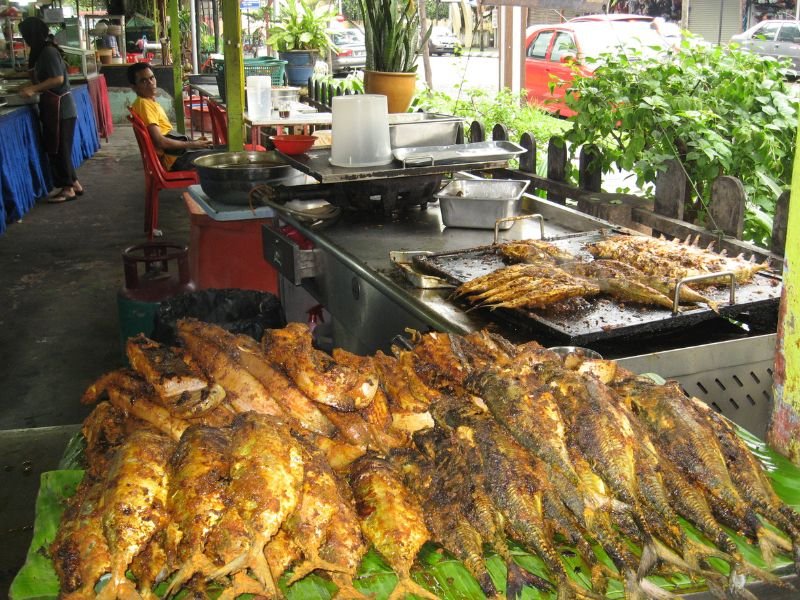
(228, 177)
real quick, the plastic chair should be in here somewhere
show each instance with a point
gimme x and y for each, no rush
(219, 127)
(156, 177)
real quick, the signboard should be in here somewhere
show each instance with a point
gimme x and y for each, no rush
(249, 4)
(576, 5)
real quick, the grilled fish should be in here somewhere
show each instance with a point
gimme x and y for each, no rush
(391, 519)
(267, 470)
(198, 488)
(134, 503)
(318, 375)
(672, 260)
(534, 251)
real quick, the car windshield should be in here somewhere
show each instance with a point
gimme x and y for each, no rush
(595, 38)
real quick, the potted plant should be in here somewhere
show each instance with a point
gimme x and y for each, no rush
(300, 36)
(391, 31)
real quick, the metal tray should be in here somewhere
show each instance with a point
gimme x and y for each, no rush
(403, 260)
(480, 203)
(602, 318)
(457, 153)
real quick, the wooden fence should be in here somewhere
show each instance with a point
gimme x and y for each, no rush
(662, 214)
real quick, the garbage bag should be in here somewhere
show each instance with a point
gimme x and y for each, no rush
(248, 312)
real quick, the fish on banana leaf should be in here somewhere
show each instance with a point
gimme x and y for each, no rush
(134, 503)
(391, 519)
(266, 480)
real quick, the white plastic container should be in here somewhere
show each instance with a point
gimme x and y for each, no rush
(360, 131)
(259, 97)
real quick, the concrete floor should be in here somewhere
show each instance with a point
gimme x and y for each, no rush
(60, 271)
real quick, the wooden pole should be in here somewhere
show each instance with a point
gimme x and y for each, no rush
(234, 73)
(177, 63)
(784, 428)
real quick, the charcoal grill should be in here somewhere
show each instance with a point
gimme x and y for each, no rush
(601, 319)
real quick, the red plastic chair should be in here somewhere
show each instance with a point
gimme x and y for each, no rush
(219, 126)
(156, 177)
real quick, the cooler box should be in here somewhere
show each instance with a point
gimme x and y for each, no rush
(225, 249)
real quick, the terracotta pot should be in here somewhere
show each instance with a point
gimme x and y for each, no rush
(399, 88)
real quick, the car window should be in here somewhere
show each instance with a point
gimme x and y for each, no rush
(767, 32)
(789, 33)
(538, 48)
(563, 46)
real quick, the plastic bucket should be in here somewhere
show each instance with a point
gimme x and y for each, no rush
(259, 102)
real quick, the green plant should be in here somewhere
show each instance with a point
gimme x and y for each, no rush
(353, 83)
(718, 110)
(392, 38)
(302, 26)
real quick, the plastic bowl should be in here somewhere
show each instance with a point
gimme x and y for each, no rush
(292, 144)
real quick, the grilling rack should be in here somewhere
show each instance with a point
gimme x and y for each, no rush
(601, 319)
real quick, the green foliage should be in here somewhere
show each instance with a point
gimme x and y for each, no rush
(353, 83)
(719, 110)
(302, 26)
(391, 32)
(490, 108)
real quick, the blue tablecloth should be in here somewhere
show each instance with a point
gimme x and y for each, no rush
(24, 172)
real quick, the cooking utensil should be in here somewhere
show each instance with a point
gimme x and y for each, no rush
(480, 203)
(230, 176)
(457, 153)
(403, 260)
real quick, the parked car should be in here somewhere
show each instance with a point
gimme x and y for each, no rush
(350, 53)
(553, 52)
(777, 38)
(442, 41)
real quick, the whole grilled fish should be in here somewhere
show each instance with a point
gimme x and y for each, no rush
(198, 494)
(134, 503)
(534, 251)
(391, 518)
(266, 480)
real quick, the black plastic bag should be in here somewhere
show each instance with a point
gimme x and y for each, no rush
(239, 311)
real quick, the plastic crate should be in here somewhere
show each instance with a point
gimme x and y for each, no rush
(255, 66)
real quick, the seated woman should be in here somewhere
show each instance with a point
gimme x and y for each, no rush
(176, 152)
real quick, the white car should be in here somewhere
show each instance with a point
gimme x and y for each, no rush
(773, 37)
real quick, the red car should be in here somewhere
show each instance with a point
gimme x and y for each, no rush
(552, 52)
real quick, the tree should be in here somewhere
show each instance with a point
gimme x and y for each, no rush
(718, 110)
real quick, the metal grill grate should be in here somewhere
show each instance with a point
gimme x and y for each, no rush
(734, 377)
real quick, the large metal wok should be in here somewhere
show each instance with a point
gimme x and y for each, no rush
(228, 177)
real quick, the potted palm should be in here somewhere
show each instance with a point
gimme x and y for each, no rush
(300, 36)
(392, 36)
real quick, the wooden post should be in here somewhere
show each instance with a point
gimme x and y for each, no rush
(234, 73)
(783, 432)
(556, 166)
(527, 161)
(589, 173)
(499, 133)
(727, 206)
(671, 191)
(477, 132)
(779, 223)
(177, 64)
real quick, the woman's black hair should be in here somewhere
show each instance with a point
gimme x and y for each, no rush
(37, 35)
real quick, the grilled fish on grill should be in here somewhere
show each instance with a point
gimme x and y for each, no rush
(318, 375)
(534, 251)
(525, 286)
(134, 504)
(267, 470)
(672, 260)
(391, 518)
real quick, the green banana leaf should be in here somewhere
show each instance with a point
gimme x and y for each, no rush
(439, 572)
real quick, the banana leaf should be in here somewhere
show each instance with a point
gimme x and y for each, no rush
(438, 571)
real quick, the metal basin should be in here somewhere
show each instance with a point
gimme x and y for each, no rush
(228, 177)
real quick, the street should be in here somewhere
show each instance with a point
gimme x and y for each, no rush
(471, 71)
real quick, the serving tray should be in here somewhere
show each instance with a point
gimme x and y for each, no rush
(457, 153)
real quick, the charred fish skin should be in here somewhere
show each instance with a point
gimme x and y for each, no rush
(134, 502)
(391, 518)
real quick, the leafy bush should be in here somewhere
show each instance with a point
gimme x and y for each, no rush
(719, 110)
(303, 25)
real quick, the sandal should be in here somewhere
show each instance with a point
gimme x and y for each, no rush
(77, 188)
(62, 197)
